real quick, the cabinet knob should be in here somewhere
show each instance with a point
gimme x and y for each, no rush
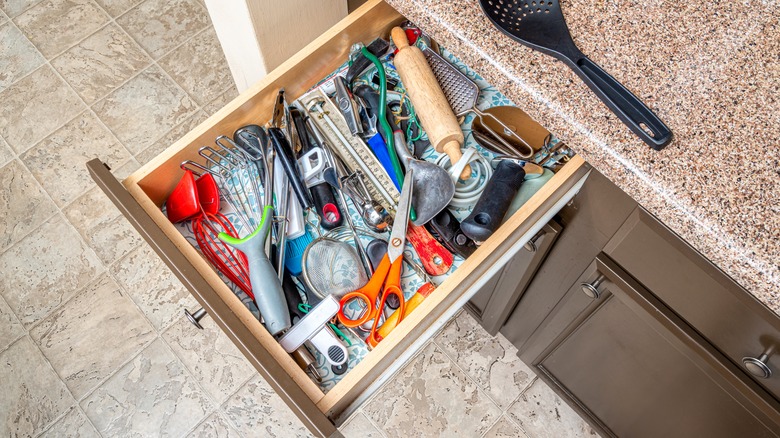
(592, 289)
(196, 317)
(758, 366)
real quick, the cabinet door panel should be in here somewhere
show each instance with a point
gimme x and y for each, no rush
(492, 305)
(638, 370)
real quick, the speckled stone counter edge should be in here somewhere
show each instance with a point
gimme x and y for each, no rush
(758, 276)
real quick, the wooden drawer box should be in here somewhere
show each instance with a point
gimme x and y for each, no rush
(140, 196)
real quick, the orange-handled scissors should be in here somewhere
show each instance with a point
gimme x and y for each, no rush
(387, 277)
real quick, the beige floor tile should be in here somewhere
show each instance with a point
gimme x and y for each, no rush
(161, 25)
(541, 413)
(90, 336)
(153, 287)
(199, 66)
(10, 327)
(6, 154)
(57, 162)
(256, 410)
(25, 204)
(171, 137)
(431, 396)
(35, 396)
(34, 107)
(104, 228)
(117, 7)
(100, 63)
(215, 426)
(221, 100)
(45, 269)
(505, 428)
(491, 361)
(55, 25)
(122, 406)
(73, 424)
(144, 109)
(210, 356)
(16, 7)
(359, 426)
(125, 170)
(18, 56)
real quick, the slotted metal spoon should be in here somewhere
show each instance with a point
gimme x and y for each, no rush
(540, 25)
(462, 93)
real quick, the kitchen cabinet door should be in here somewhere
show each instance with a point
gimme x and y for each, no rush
(492, 305)
(634, 368)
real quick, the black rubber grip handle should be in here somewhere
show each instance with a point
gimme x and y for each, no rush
(327, 208)
(376, 250)
(445, 228)
(285, 154)
(293, 297)
(629, 109)
(377, 47)
(300, 126)
(494, 201)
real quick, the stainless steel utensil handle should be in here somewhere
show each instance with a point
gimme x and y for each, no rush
(527, 153)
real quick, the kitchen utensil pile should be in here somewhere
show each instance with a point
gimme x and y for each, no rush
(308, 217)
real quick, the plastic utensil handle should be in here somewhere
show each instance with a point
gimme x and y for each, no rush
(292, 297)
(266, 288)
(284, 152)
(378, 146)
(632, 111)
(494, 201)
(327, 208)
(434, 257)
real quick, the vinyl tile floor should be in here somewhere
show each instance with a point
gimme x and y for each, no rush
(92, 338)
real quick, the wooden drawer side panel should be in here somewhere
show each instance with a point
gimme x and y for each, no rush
(279, 379)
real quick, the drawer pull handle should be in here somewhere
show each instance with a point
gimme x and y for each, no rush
(196, 317)
(592, 289)
(758, 366)
(530, 246)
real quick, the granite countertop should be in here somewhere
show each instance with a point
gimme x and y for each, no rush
(710, 71)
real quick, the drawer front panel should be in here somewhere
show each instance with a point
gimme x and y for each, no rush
(493, 304)
(292, 394)
(727, 315)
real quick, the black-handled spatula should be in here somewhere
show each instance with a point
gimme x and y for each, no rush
(540, 25)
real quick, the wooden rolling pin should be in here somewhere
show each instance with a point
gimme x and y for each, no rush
(430, 104)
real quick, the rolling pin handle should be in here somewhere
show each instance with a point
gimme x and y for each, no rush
(398, 36)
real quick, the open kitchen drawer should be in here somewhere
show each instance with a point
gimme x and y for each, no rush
(140, 196)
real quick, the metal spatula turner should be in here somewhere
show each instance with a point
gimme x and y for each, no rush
(540, 25)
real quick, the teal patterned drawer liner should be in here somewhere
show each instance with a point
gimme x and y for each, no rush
(489, 96)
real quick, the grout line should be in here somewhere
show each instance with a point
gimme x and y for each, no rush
(192, 374)
(462, 369)
(116, 371)
(512, 421)
(51, 367)
(192, 378)
(89, 420)
(55, 55)
(492, 425)
(23, 10)
(13, 314)
(373, 423)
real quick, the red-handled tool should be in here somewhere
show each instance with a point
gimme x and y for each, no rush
(435, 258)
